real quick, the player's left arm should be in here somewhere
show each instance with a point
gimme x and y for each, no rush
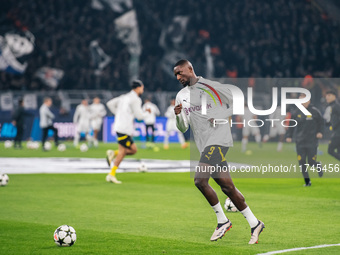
(103, 111)
(319, 123)
(137, 110)
(157, 112)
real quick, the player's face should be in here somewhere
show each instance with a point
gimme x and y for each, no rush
(183, 74)
(330, 98)
(140, 90)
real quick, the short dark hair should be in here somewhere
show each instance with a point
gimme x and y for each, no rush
(181, 62)
(136, 84)
(332, 92)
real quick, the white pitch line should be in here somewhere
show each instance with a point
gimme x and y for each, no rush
(299, 249)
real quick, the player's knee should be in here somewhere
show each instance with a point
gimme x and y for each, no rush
(200, 183)
(228, 188)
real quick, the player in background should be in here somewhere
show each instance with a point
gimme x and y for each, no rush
(126, 108)
(276, 129)
(332, 117)
(81, 119)
(171, 126)
(213, 143)
(19, 121)
(98, 112)
(248, 130)
(46, 121)
(150, 120)
(308, 132)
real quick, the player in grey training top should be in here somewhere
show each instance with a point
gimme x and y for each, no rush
(213, 142)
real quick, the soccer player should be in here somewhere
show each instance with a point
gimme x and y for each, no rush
(98, 111)
(19, 121)
(126, 108)
(308, 130)
(333, 121)
(213, 142)
(46, 121)
(171, 126)
(248, 130)
(150, 120)
(81, 119)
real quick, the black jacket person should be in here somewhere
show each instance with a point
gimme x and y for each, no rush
(309, 129)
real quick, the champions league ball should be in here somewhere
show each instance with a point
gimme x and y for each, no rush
(65, 236)
(61, 147)
(48, 146)
(229, 206)
(143, 168)
(4, 179)
(83, 147)
(8, 144)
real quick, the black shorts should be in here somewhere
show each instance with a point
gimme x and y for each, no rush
(214, 155)
(124, 140)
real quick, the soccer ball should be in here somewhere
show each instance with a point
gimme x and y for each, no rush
(229, 206)
(35, 145)
(61, 147)
(143, 168)
(8, 144)
(83, 147)
(4, 179)
(65, 236)
(48, 146)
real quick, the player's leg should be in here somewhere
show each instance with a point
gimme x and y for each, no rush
(44, 137)
(55, 135)
(147, 135)
(18, 137)
(126, 146)
(223, 179)
(152, 133)
(76, 135)
(95, 137)
(166, 140)
(302, 158)
(312, 156)
(121, 153)
(333, 147)
(202, 176)
(181, 139)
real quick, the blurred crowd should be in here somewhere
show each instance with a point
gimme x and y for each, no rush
(247, 38)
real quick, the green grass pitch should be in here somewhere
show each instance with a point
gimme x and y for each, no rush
(163, 213)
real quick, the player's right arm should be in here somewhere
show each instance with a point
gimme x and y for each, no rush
(137, 110)
(76, 115)
(182, 122)
(112, 105)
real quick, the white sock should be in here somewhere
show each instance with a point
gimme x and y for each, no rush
(76, 139)
(221, 218)
(250, 217)
(279, 146)
(244, 144)
(258, 138)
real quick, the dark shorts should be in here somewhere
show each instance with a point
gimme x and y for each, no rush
(214, 155)
(124, 140)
